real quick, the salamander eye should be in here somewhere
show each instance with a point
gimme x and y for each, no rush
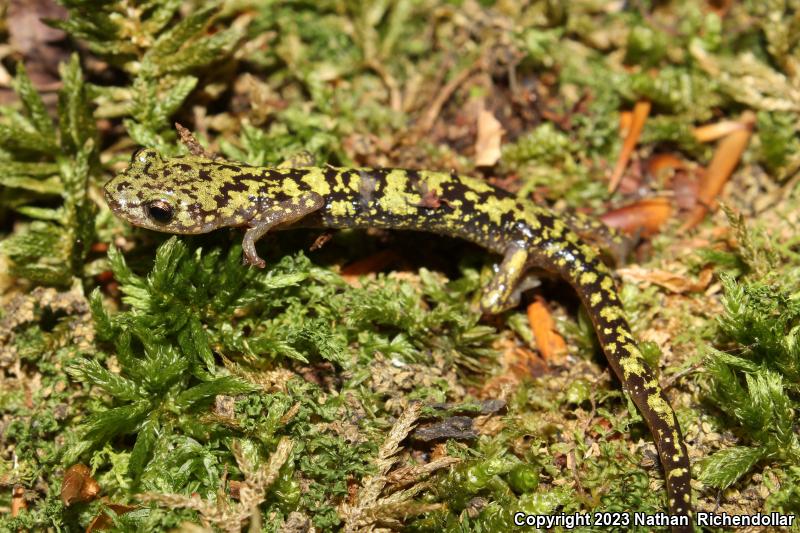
(159, 211)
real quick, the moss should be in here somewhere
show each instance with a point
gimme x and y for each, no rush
(777, 141)
(755, 387)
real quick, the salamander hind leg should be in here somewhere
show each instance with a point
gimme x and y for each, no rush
(501, 294)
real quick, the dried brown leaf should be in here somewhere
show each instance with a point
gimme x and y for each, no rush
(103, 520)
(487, 144)
(643, 218)
(673, 282)
(79, 486)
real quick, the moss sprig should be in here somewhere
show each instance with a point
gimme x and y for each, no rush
(46, 169)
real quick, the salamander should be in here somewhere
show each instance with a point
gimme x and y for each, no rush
(196, 194)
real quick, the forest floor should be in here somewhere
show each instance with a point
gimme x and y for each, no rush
(150, 382)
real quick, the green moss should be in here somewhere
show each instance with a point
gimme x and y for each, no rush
(43, 162)
(756, 387)
(777, 141)
(646, 46)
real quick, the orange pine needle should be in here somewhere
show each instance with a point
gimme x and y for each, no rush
(551, 345)
(718, 130)
(18, 503)
(640, 113)
(729, 152)
(664, 162)
(625, 121)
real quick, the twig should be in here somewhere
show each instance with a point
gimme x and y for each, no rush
(667, 384)
(361, 514)
(191, 143)
(429, 118)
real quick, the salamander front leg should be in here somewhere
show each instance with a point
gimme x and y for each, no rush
(498, 294)
(280, 214)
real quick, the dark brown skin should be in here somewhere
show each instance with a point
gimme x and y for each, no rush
(195, 194)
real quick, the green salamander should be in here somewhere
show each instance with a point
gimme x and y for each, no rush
(195, 194)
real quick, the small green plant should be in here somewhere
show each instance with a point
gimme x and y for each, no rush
(42, 164)
(756, 388)
(157, 58)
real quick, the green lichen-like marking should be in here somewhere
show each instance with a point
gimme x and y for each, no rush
(341, 208)
(632, 363)
(434, 180)
(395, 198)
(291, 188)
(315, 178)
(495, 208)
(677, 472)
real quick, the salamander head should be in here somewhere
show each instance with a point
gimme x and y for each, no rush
(173, 195)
